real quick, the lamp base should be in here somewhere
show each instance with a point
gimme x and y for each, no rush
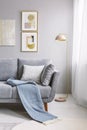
(60, 99)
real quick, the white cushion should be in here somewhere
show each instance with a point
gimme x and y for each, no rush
(32, 73)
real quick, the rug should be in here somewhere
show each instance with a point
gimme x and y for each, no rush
(64, 124)
(7, 126)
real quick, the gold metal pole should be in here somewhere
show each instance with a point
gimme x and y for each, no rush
(62, 37)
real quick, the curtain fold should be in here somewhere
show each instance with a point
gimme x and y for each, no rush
(79, 56)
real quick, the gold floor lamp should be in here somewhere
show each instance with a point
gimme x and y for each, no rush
(62, 37)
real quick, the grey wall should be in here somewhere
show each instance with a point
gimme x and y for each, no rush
(54, 16)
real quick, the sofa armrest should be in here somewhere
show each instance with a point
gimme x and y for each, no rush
(53, 85)
(54, 80)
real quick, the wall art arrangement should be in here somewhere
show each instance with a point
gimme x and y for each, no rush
(29, 31)
(7, 32)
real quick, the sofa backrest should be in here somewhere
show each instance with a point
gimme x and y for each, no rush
(22, 62)
(13, 68)
(8, 69)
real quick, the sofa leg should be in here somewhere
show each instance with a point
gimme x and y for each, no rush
(46, 106)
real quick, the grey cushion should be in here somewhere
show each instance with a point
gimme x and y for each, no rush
(5, 90)
(8, 68)
(45, 91)
(22, 62)
(47, 74)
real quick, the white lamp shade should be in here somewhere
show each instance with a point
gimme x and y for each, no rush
(61, 37)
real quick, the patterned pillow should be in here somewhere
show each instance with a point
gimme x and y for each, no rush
(32, 73)
(47, 74)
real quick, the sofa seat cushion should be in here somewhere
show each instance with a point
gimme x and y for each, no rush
(14, 93)
(45, 91)
(5, 90)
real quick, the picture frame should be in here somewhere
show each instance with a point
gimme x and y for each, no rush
(29, 41)
(29, 21)
(7, 32)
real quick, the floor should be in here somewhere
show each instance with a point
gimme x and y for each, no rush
(68, 109)
(63, 110)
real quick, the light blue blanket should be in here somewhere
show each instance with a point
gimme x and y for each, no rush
(30, 96)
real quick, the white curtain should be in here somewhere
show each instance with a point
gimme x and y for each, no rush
(79, 56)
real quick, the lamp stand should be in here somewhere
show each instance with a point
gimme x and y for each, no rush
(61, 98)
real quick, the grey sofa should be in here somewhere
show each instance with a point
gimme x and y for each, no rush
(14, 68)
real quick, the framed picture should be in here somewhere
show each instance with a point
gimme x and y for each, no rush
(7, 32)
(29, 20)
(29, 41)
